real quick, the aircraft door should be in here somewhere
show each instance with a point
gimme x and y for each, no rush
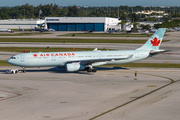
(99, 56)
(22, 58)
(53, 58)
(137, 54)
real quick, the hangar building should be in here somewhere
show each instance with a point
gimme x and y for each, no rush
(20, 23)
(82, 23)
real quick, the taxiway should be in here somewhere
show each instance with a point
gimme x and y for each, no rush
(111, 93)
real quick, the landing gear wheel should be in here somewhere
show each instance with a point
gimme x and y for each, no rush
(23, 70)
(89, 70)
(94, 70)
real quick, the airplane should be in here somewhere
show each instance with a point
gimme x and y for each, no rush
(20, 29)
(86, 60)
(5, 30)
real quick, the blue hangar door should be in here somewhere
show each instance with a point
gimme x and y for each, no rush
(99, 27)
(76, 26)
(89, 26)
(80, 27)
(53, 26)
(62, 27)
(71, 27)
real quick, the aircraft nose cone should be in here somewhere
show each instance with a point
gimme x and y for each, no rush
(8, 61)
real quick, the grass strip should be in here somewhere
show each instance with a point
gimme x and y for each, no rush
(106, 35)
(41, 49)
(69, 40)
(4, 63)
(23, 34)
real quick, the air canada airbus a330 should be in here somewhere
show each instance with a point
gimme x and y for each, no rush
(86, 60)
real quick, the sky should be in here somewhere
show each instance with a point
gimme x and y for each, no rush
(96, 3)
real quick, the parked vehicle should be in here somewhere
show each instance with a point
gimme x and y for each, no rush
(51, 29)
(5, 30)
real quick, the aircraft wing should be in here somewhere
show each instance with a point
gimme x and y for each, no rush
(87, 62)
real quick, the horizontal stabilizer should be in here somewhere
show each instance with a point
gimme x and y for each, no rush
(155, 52)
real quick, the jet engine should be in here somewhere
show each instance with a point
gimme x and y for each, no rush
(71, 67)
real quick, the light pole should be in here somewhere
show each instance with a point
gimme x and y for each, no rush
(86, 9)
(40, 12)
(118, 12)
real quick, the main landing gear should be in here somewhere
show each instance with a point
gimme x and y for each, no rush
(89, 69)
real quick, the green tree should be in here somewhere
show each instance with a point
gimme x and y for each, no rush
(134, 17)
(123, 17)
(73, 11)
(135, 24)
(146, 27)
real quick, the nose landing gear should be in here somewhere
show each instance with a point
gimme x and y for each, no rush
(23, 70)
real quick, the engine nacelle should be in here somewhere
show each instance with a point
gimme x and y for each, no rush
(71, 67)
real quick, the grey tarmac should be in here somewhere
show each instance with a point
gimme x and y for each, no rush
(50, 93)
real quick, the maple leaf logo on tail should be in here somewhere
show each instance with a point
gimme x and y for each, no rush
(155, 42)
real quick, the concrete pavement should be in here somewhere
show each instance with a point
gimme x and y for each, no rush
(53, 94)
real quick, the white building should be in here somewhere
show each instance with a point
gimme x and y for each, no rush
(150, 23)
(20, 23)
(127, 26)
(149, 12)
(81, 23)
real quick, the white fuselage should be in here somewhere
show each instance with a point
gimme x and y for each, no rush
(45, 59)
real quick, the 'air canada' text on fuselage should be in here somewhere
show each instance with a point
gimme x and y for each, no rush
(54, 54)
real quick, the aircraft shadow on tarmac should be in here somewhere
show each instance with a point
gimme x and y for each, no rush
(57, 70)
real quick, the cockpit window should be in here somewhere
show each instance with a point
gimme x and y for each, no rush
(13, 58)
